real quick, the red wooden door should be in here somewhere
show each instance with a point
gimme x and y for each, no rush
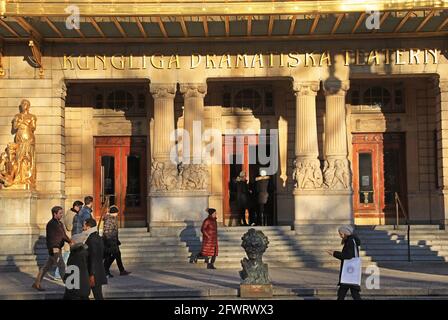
(120, 175)
(368, 181)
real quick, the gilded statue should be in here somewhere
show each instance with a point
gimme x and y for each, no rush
(18, 162)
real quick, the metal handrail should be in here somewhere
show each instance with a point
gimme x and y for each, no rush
(398, 205)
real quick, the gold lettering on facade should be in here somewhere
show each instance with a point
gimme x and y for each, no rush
(325, 57)
(242, 57)
(100, 58)
(195, 64)
(86, 63)
(434, 53)
(271, 60)
(121, 62)
(398, 56)
(258, 58)
(309, 56)
(373, 57)
(69, 60)
(347, 57)
(295, 56)
(174, 59)
(209, 62)
(154, 64)
(131, 63)
(225, 59)
(282, 60)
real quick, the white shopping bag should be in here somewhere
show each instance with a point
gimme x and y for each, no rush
(352, 270)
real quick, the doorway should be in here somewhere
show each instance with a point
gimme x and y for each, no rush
(120, 176)
(379, 171)
(241, 153)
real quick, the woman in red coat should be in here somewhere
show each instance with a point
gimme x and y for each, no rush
(209, 231)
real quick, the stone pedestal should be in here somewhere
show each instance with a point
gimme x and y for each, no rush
(315, 207)
(177, 213)
(256, 291)
(18, 225)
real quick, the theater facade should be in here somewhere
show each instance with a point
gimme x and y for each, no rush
(347, 101)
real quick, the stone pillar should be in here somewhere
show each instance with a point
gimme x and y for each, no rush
(172, 186)
(442, 146)
(163, 94)
(194, 94)
(336, 168)
(316, 207)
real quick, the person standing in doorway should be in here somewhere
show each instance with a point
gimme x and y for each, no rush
(209, 231)
(56, 237)
(112, 243)
(95, 248)
(84, 214)
(67, 220)
(348, 252)
(261, 187)
(242, 197)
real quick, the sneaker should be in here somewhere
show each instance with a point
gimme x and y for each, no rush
(109, 275)
(210, 266)
(38, 288)
(124, 273)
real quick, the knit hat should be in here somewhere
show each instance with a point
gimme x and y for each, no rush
(346, 229)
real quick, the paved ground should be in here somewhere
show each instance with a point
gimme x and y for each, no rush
(397, 282)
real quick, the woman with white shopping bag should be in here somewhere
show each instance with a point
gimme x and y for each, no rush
(351, 269)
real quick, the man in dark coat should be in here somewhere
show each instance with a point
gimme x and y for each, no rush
(209, 231)
(97, 275)
(348, 252)
(78, 257)
(56, 237)
(242, 197)
(261, 187)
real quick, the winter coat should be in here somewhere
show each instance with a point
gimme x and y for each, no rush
(78, 257)
(209, 237)
(261, 186)
(348, 252)
(242, 194)
(95, 260)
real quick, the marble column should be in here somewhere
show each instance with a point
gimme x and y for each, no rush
(336, 168)
(193, 94)
(307, 173)
(177, 198)
(317, 209)
(163, 94)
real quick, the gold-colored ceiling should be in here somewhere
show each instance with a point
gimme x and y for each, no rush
(193, 20)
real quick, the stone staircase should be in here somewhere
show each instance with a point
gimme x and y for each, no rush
(380, 245)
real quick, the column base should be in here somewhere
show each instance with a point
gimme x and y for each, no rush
(322, 210)
(18, 228)
(176, 214)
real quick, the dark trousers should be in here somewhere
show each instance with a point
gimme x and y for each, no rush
(114, 255)
(342, 292)
(243, 217)
(263, 218)
(98, 292)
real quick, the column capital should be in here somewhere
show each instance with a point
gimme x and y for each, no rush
(336, 87)
(305, 88)
(162, 90)
(193, 90)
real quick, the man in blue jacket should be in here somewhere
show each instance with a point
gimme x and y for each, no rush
(84, 214)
